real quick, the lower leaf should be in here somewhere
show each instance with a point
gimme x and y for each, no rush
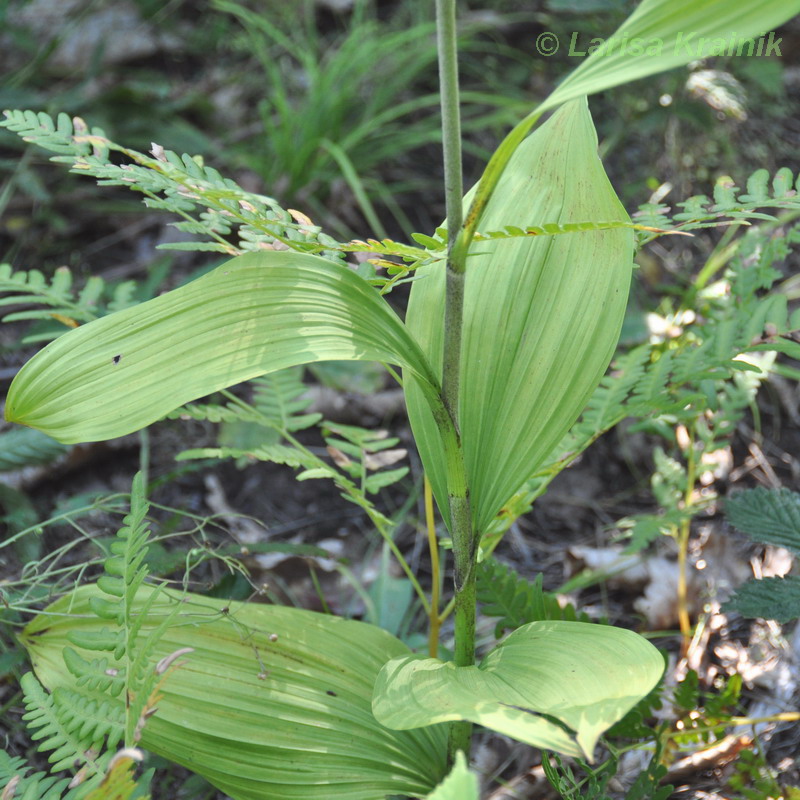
(555, 685)
(273, 703)
(460, 784)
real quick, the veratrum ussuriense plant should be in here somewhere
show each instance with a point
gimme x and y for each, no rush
(502, 345)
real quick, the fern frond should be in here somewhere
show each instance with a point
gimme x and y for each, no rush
(517, 601)
(643, 529)
(17, 784)
(650, 390)
(93, 719)
(63, 303)
(361, 443)
(556, 229)
(126, 574)
(65, 135)
(143, 680)
(381, 480)
(207, 204)
(9, 767)
(364, 454)
(608, 402)
(98, 675)
(276, 453)
(280, 397)
(130, 672)
(57, 291)
(654, 215)
(388, 247)
(60, 726)
(650, 380)
(729, 205)
(116, 784)
(25, 447)
(214, 412)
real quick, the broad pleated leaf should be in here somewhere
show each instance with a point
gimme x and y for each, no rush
(264, 718)
(672, 34)
(554, 685)
(257, 313)
(659, 35)
(541, 315)
(460, 784)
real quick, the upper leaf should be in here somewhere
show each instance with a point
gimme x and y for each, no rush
(555, 685)
(256, 314)
(541, 315)
(663, 34)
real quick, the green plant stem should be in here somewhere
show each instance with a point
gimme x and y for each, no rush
(454, 190)
(464, 656)
(464, 547)
(144, 457)
(458, 493)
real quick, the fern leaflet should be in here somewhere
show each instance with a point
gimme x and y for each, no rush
(207, 204)
(503, 593)
(63, 304)
(60, 726)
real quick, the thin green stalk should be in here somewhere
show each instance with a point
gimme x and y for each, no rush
(683, 550)
(433, 546)
(318, 589)
(144, 457)
(454, 191)
(466, 597)
(783, 716)
(458, 493)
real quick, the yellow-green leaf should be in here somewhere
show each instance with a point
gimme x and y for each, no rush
(257, 313)
(272, 702)
(663, 34)
(555, 685)
(541, 315)
(460, 784)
